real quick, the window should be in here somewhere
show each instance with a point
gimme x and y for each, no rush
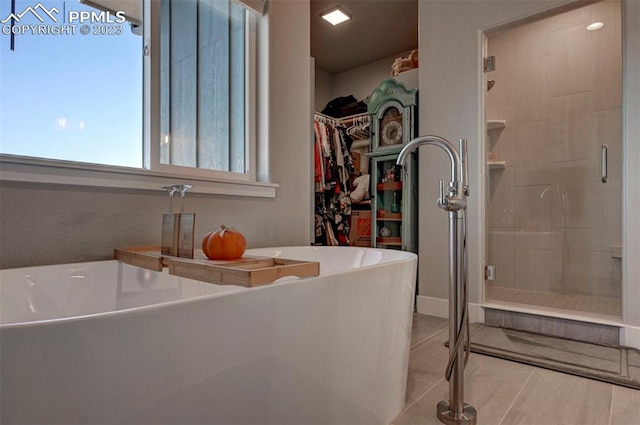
(203, 84)
(66, 95)
(82, 90)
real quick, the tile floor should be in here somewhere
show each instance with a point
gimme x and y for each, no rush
(505, 392)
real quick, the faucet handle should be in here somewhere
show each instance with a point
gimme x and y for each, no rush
(442, 199)
(464, 169)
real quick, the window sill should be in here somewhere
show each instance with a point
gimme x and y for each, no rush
(32, 170)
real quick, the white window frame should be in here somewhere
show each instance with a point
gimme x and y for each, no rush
(154, 175)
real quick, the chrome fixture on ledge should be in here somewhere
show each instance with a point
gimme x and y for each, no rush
(177, 238)
(453, 199)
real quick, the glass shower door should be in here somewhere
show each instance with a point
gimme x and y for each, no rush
(554, 143)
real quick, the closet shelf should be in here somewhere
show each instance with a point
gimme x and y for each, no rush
(384, 215)
(360, 144)
(495, 124)
(389, 240)
(390, 186)
(497, 165)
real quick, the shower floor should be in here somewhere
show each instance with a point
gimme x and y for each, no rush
(598, 307)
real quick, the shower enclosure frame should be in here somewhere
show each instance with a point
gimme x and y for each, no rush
(486, 175)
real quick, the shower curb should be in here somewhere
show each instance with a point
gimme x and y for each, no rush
(614, 364)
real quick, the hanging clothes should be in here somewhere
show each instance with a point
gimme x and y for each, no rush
(333, 166)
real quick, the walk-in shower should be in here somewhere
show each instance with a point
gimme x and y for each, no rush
(554, 175)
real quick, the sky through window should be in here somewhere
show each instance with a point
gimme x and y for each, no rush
(69, 95)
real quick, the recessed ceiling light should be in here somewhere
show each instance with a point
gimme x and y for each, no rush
(335, 16)
(595, 26)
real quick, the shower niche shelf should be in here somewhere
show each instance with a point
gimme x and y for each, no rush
(497, 165)
(496, 124)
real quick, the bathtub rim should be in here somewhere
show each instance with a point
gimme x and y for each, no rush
(237, 289)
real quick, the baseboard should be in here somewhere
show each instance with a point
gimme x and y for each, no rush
(630, 336)
(439, 307)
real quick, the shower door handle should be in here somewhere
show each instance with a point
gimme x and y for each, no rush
(603, 163)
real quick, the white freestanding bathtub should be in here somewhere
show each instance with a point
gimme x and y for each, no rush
(105, 342)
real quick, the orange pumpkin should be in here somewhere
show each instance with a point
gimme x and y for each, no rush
(224, 244)
(204, 242)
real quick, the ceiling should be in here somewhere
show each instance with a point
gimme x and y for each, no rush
(377, 29)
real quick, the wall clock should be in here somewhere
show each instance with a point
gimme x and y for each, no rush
(391, 127)
(391, 106)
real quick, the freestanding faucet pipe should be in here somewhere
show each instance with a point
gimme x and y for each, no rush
(453, 199)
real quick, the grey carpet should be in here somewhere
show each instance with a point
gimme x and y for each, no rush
(615, 364)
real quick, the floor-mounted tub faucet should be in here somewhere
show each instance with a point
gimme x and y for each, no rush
(453, 199)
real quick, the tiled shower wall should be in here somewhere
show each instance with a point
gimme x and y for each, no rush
(553, 225)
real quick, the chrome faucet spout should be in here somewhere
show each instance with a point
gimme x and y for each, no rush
(444, 144)
(453, 199)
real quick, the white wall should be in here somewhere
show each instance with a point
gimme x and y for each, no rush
(323, 88)
(49, 224)
(451, 97)
(359, 82)
(290, 118)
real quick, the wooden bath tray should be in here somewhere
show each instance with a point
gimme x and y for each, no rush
(246, 271)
